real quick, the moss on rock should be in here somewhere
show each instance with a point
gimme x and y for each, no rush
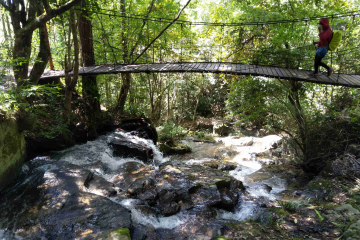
(119, 234)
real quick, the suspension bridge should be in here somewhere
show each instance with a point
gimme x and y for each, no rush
(349, 80)
(227, 57)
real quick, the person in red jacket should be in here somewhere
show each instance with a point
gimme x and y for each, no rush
(322, 46)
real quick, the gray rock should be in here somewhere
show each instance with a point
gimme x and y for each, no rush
(347, 166)
(125, 148)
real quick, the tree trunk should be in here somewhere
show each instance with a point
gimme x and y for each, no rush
(126, 79)
(42, 58)
(299, 116)
(4, 26)
(196, 104)
(90, 89)
(71, 82)
(108, 94)
(25, 22)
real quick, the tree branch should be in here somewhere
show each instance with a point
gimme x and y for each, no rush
(148, 46)
(141, 29)
(8, 8)
(47, 7)
(46, 17)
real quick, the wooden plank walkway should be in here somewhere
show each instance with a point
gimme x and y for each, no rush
(349, 80)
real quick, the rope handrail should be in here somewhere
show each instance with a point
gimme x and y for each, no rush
(233, 24)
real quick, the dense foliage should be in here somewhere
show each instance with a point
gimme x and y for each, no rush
(319, 121)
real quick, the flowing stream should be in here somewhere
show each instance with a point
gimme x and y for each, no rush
(97, 157)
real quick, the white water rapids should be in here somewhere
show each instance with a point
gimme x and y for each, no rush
(97, 157)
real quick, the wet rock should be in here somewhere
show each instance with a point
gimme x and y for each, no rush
(55, 205)
(205, 195)
(143, 189)
(143, 232)
(129, 173)
(229, 199)
(179, 149)
(221, 130)
(140, 128)
(212, 164)
(260, 188)
(167, 202)
(228, 166)
(119, 234)
(125, 148)
(184, 200)
(98, 184)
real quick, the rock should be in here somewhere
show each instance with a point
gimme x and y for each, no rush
(212, 164)
(140, 128)
(220, 238)
(167, 202)
(119, 234)
(205, 195)
(129, 173)
(260, 188)
(12, 152)
(98, 184)
(125, 148)
(228, 167)
(353, 231)
(143, 232)
(249, 143)
(143, 189)
(229, 199)
(222, 130)
(346, 166)
(55, 205)
(354, 149)
(347, 209)
(179, 149)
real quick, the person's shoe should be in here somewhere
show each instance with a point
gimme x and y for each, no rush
(330, 71)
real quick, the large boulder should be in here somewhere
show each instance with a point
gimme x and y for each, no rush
(140, 128)
(56, 204)
(347, 166)
(126, 148)
(12, 152)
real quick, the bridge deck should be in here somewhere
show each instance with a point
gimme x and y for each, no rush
(349, 80)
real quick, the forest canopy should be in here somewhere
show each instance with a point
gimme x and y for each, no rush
(70, 34)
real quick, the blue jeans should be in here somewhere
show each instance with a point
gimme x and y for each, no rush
(320, 54)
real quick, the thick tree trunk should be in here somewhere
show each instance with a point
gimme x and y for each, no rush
(25, 22)
(90, 89)
(42, 58)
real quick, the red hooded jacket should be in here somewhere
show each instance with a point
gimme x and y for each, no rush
(326, 34)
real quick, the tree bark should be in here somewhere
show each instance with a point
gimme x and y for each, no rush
(42, 58)
(299, 116)
(90, 89)
(126, 77)
(71, 82)
(25, 22)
